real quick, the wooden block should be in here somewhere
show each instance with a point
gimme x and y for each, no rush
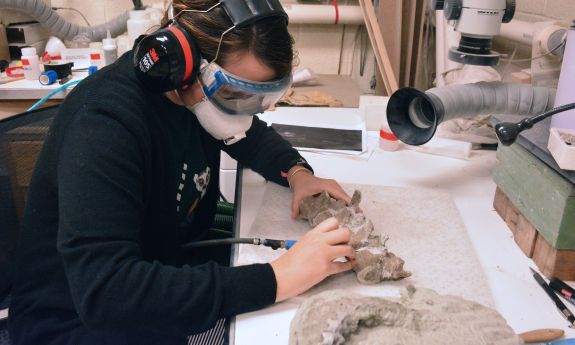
(500, 203)
(533, 169)
(524, 233)
(554, 263)
(525, 236)
(542, 196)
(551, 262)
(511, 217)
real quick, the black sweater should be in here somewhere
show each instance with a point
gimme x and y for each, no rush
(99, 260)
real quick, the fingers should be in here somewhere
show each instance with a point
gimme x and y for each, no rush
(336, 192)
(338, 236)
(295, 207)
(339, 267)
(327, 225)
(342, 251)
(312, 186)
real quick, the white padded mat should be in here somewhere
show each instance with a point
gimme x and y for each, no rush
(424, 227)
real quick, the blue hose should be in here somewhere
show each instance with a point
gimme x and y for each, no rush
(48, 96)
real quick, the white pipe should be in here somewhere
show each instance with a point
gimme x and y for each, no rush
(440, 51)
(323, 14)
(446, 37)
(546, 34)
(518, 30)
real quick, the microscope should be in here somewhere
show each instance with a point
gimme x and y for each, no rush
(478, 21)
(414, 115)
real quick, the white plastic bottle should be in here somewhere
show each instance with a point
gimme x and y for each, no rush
(110, 50)
(123, 43)
(96, 54)
(138, 24)
(30, 63)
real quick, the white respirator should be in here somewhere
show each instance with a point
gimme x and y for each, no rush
(220, 125)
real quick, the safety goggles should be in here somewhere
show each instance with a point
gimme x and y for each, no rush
(235, 95)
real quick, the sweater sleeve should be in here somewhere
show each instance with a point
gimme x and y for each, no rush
(266, 152)
(101, 203)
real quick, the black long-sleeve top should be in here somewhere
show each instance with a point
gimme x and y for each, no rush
(124, 178)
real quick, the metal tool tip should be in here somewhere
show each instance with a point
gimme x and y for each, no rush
(532, 270)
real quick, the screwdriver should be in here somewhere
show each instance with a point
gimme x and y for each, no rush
(273, 244)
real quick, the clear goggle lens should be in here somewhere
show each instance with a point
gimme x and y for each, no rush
(236, 95)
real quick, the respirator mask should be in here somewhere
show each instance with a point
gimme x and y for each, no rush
(230, 102)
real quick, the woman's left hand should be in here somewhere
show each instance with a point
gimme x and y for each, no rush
(306, 184)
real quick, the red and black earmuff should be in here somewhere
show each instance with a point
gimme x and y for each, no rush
(167, 59)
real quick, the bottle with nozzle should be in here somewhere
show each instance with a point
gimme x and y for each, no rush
(110, 49)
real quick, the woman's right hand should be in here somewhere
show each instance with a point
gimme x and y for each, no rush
(311, 259)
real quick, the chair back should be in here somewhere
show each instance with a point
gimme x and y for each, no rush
(21, 139)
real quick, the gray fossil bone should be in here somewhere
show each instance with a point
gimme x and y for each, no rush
(374, 263)
(419, 317)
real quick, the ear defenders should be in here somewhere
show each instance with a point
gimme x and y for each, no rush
(167, 59)
(170, 59)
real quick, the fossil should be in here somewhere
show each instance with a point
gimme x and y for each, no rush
(374, 262)
(419, 317)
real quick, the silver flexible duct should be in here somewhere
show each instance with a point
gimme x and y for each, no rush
(58, 26)
(486, 98)
(413, 115)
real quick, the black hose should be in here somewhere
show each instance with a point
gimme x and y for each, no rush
(552, 112)
(507, 132)
(273, 244)
(218, 242)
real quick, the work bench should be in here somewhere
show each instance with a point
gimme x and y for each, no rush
(18, 95)
(516, 295)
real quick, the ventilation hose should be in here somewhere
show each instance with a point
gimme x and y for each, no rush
(486, 98)
(58, 26)
(413, 115)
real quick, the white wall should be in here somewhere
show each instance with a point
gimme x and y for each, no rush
(541, 10)
(327, 49)
(334, 49)
(562, 11)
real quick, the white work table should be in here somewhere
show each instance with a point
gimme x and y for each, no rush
(32, 89)
(517, 296)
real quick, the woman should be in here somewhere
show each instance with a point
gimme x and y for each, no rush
(127, 175)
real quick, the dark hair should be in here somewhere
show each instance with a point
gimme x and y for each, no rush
(268, 39)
